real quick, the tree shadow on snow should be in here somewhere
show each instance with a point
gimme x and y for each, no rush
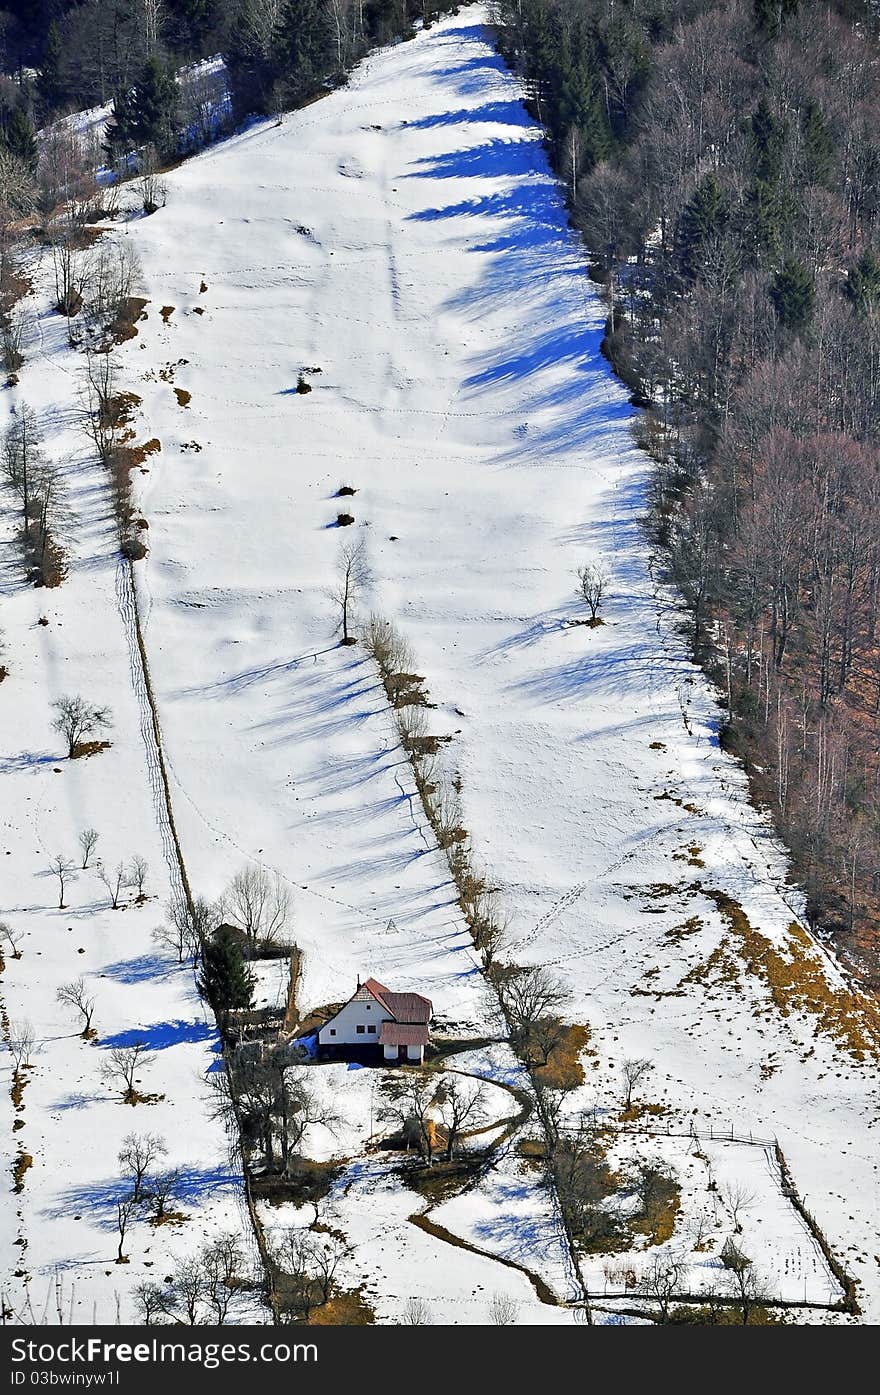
(98, 1199)
(160, 1035)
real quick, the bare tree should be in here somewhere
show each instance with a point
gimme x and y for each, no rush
(63, 868)
(298, 1263)
(22, 463)
(416, 1313)
(122, 1065)
(258, 904)
(328, 1255)
(77, 996)
(21, 1041)
(503, 1310)
(634, 1072)
(352, 575)
(298, 1107)
(15, 327)
(78, 719)
(152, 189)
(531, 998)
(126, 1209)
(88, 841)
(188, 1288)
(187, 927)
(531, 993)
(223, 1263)
(151, 1300)
(737, 1198)
(162, 1191)
(113, 881)
(409, 1103)
(137, 1155)
(114, 277)
(12, 937)
(137, 874)
(593, 582)
(743, 1281)
(661, 1281)
(459, 1105)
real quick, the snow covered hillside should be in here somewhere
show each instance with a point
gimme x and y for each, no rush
(401, 249)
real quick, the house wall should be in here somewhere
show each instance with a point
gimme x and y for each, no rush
(342, 1030)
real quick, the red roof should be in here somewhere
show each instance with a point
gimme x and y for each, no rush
(404, 1007)
(403, 1034)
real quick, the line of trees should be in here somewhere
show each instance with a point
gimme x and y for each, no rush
(65, 55)
(723, 163)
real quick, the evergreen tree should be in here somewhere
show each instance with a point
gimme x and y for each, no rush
(146, 114)
(770, 15)
(303, 46)
(768, 142)
(767, 214)
(224, 978)
(702, 218)
(793, 295)
(20, 138)
(51, 87)
(121, 134)
(252, 64)
(863, 282)
(818, 143)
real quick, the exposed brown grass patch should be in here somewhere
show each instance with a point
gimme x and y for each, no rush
(124, 326)
(138, 454)
(83, 749)
(798, 981)
(183, 397)
(169, 1218)
(19, 1168)
(676, 933)
(345, 1309)
(309, 1182)
(564, 1070)
(657, 1219)
(166, 312)
(690, 855)
(134, 1097)
(16, 1094)
(444, 1180)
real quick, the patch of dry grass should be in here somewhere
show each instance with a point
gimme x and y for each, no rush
(797, 980)
(345, 1309)
(564, 1070)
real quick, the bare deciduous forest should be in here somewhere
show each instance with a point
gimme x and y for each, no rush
(723, 163)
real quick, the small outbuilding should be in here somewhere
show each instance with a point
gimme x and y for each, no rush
(399, 1023)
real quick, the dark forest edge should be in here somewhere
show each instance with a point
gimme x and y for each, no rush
(722, 160)
(64, 56)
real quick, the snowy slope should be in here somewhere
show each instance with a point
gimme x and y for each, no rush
(404, 237)
(62, 1225)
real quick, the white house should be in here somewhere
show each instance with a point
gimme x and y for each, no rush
(398, 1022)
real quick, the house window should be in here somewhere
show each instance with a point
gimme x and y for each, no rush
(372, 1028)
(333, 1031)
(361, 1030)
